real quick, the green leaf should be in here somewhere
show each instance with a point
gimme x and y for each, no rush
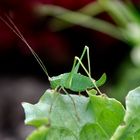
(130, 128)
(91, 91)
(39, 134)
(60, 134)
(93, 132)
(44, 133)
(102, 80)
(70, 120)
(63, 113)
(109, 113)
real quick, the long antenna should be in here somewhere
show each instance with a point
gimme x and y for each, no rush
(14, 28)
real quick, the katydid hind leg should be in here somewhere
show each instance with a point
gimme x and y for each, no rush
(88, 59)
(76, 68)
(93, 81)
(86, 50)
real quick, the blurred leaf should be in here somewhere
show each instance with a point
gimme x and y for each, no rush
(81, 19)
(91, 9)
(130, 129)
(128, 78)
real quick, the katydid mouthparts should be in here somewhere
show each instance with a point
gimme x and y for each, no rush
(72, 80)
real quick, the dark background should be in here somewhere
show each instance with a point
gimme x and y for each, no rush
(22, 79)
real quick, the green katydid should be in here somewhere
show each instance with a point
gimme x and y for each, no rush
(76, 81)
(72, 80)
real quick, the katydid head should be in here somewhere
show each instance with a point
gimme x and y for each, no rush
(55, 81)
(76, 66)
